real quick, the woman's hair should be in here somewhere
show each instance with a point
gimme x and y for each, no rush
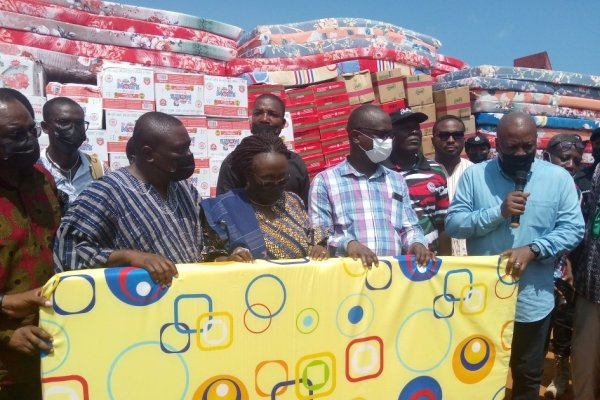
(243, 155)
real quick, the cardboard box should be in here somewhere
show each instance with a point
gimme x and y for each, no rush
(296, 97)
(179, 94)
(44, 142)
(132, 105)
(196, 128)
(340, 146)
(418, 90)
(120, 124)
(22, 74)
(224, 135)
(88, 97)
(327, 103)
(308, 148)
(389, 85)
(429, 110)
(201, 177)
(393, 106)
(215, 166)
(225, 97)
(335, 113)
(126, 82)
(307, 136)
(117, 160)
(287, 133)
(329, 89)
(427, 146)
(469, 125)
(37, 102)
(455, 101)
(300, 110)
(96, 143)
(334, 159)
(306, 123)
(333, 130)
(359, 87)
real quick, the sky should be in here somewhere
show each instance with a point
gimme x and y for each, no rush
(478, 31)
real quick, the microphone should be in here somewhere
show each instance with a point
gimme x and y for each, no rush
(520, 181)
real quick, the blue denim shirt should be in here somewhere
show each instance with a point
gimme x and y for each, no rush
(552, 220)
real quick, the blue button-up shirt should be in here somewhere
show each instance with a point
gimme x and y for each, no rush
(552, 220)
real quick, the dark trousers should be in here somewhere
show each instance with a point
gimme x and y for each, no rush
(22, 391)
(562, 329)
(527, 358)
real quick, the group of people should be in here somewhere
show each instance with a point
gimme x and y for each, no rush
(60, 210)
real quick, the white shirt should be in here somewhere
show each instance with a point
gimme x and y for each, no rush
(459, 246)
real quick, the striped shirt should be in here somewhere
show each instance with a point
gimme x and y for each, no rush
(459, 246)
(118, 212)
(375, 210)
(428, 191)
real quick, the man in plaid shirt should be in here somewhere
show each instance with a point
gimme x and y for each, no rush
(364, 206)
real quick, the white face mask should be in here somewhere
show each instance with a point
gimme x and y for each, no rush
(382, 148)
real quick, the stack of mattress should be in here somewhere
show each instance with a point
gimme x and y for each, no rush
(82, 34)
(560, 102)
(370, 62)
(321, 49)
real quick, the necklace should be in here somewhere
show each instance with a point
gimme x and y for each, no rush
(68, 173)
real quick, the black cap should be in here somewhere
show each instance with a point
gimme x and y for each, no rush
(595, 135)
(477, 140)
(406, 114)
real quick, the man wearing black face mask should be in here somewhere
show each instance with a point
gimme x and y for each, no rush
(145, 214)
(65, 126)
(551, 224)
(268, 117)
(29, 217)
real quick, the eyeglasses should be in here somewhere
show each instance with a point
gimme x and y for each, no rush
(271, 184)
(568, 145)
(457, 135)
(69, 123)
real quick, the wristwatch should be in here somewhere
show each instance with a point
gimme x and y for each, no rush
(535, 249)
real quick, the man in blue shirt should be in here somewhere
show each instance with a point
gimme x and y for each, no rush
(551, 224)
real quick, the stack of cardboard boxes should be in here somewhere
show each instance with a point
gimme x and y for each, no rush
(456, 102)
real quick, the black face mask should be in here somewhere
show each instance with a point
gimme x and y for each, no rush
(184, 168)
(265, 128)
(265, 196)
(21, 155)
(69, 139)
(510, 163)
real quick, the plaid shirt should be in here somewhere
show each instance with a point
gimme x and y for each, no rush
(375, 210)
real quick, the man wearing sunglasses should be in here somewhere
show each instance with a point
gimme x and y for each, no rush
(65, 126)
(426, 179)
(448, 141)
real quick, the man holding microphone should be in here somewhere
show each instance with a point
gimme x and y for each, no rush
(528, 211)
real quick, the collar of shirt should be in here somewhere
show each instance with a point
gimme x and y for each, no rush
(420, 164)
(348, 169)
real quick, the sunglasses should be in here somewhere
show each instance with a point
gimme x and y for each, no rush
(458, 135)
(568, 145)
